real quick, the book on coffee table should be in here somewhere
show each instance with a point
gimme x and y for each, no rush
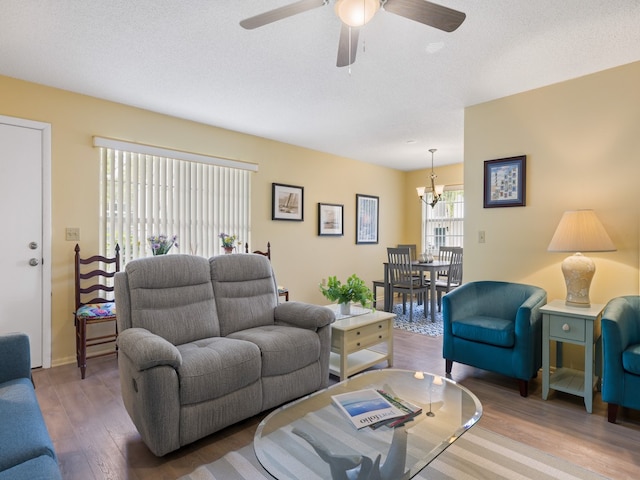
(366, 407)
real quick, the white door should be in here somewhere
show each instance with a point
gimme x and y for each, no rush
(24, 305)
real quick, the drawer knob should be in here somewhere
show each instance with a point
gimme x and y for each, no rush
(566, 327)
(357, 333)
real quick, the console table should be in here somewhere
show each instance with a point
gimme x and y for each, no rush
(580, 326)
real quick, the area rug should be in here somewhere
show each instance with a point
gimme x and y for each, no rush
(478, 454)
(420, 324)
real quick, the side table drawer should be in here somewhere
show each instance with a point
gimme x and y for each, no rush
(367, 335)
(561, 327)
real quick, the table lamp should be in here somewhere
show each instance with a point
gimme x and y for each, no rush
(579, 231)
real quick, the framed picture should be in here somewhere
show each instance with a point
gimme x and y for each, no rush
(330, 219)
(287, 202)
(367, 212)
(505, 182)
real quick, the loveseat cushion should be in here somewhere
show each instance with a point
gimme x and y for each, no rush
(23, 433)
(245, 291)
(284, 349)
(216, 366)
(173, 297)
(489, 330)
(631, 359)
(41, 468)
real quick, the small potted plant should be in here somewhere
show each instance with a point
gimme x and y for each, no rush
(227, 242)
(354, 290)
(161, 244)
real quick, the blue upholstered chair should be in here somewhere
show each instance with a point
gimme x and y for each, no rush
(495, 326)
(621, 354)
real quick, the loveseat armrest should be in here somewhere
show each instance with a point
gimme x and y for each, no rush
(15, 357)
(147, 350)
(303, 315)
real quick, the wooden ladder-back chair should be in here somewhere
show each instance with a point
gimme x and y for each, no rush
(94, 302)
(282, 291)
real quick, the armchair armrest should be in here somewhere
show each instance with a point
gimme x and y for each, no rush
(304, 315)
(15, 357)
(147, 350)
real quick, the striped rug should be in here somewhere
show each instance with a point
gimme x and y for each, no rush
(478, 454)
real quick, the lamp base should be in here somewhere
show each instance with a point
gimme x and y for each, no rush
(578, 272)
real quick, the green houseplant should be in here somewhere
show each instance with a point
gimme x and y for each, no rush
(354, 290)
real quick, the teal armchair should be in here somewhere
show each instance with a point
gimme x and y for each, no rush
(621, 354)
(495, 326)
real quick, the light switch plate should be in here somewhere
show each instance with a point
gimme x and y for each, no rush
(72, 234)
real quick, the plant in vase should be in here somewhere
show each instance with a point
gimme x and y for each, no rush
(161, 244)
(354, 290)
(227, 242)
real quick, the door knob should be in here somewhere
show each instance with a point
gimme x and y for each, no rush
(33, 245)
(33, 262)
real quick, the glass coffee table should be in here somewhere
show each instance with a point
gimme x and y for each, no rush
(311, 438)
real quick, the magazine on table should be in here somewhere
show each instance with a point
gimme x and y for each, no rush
(409, 409)
(366, 407)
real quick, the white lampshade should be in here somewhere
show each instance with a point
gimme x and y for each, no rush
(579, 231)
(356, 13)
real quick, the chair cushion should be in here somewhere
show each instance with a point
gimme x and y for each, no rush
(489, 330)
(213, 367)
(97, 310)
(631, 359)
(284, 349)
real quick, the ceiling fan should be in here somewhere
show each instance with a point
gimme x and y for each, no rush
(356, 13)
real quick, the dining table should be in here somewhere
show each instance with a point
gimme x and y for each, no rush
(432, 268)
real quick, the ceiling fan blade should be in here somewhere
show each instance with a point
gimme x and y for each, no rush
(347, 46)
(281, 13)
(430, 14)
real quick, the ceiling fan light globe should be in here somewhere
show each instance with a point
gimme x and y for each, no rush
(356, 13)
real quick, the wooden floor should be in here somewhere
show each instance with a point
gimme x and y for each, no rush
(95, 439)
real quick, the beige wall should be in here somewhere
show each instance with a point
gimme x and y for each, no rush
(581, 138)
(300, 258)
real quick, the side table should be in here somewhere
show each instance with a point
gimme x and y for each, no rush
(352, 337)
(580, 326)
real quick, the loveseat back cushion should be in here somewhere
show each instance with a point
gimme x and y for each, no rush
(284, 349)
(245, 291)
(631, 359)
(216, 366)
(172, 296)
(489, 330)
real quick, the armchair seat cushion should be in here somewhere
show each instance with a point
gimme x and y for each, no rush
(213, 367)
(284, 349)
(489, 330)
(631, 359)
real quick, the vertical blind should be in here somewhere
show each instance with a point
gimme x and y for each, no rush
(143, 195)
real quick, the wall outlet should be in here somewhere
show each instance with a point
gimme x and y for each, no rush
(72, 234)
(481, 237)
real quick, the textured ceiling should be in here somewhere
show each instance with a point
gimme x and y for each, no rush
(405, 93)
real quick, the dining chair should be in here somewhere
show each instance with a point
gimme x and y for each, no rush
(94, 304)
(453, 277)
(413, 249)
(402, 279)
(282, 291)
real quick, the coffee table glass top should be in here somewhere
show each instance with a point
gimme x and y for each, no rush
(303, 438)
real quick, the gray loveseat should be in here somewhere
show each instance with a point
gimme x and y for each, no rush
(204, 344)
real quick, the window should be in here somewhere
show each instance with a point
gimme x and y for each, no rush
(145, 194)
(443, 224)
